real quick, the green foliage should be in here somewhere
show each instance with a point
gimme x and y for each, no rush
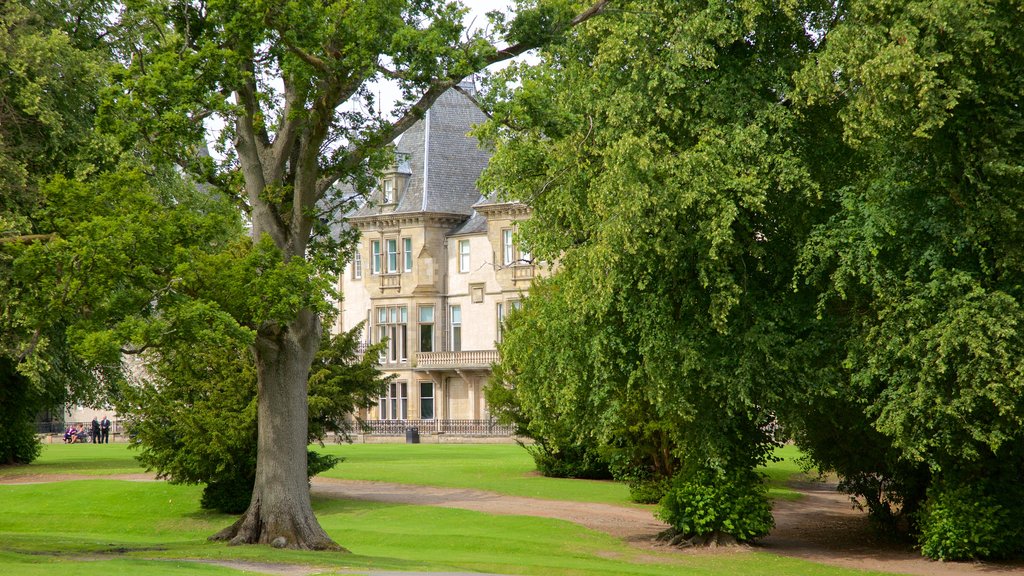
(670, 180)
(711, 502)
(971, 521)
(195, 421)
(920, 271)
(808, 211)
(566, 460)
(19, 404)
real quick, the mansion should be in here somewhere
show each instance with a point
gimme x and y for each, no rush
(434, 274)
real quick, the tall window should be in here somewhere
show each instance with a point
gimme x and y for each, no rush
(357, 265)
(394, 405)
(507, 249)
(456, 322)
(375, 257)
(389, 191)
(427, 400)
(426, 328)
(392, 324)
(501, 318)
(407, 253)
(392, 255)
(463, 255)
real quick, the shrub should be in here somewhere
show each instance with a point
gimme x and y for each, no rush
(568, 462)
(231, 491)
(711, 503)
(648, 491)
(970, 521)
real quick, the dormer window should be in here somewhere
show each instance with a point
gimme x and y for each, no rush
(389, 191)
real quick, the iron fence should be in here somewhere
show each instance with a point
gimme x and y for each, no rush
(485, 427)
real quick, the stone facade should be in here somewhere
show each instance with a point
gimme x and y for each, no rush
(435, 271)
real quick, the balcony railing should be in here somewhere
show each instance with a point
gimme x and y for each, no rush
(466, 359)
(390, 281)
(486, 427)
(522, 272)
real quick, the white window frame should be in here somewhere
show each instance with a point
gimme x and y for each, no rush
(507, 247)
(388, 195)
(392, 254)
(501, 318)
(464, 254)
(375, 257)
(407, 254)
(393, 325)
(455, 321)
(357, 265)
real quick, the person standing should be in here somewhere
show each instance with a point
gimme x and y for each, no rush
(105, 430)
(95, 432)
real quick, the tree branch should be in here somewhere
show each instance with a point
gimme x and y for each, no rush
(517, 49)
(26, 239)
(306, 57)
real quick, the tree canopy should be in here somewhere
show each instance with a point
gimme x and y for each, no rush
(805, 211)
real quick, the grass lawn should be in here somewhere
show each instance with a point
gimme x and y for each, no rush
(149, 528)
(501, 468)
(120, 527)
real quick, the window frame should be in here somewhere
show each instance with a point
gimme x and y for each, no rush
(428, 325)
(394, 404)
(407, 254)
(464, 255)
(508, 253)
(393, 324)
(391, 245)
(375, 257)
(431, 398)
(357, 265)
(456, 327)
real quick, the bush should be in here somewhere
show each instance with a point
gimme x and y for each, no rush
(229, 495)
(712, 503)
(969, 522)
(568, 462)
(649, 491)
(231, 491)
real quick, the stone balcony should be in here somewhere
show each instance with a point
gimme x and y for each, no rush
(454, 360)
(390, 282)
(522, 273)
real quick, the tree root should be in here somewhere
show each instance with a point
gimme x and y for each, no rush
(251, 529)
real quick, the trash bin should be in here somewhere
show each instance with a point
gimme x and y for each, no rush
(412, 436)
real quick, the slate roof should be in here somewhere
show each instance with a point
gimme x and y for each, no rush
(477, 224)
(442, 160)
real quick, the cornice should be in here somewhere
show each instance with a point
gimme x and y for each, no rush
(397, 219)
(504, 208)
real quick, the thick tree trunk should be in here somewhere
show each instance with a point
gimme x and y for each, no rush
(280, 513)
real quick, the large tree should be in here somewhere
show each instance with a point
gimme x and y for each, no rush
(303, 130)
(54, 68)
(923, 266)
(672, 181)
(811, 209)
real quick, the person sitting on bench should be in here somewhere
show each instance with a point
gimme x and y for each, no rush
(70, 435)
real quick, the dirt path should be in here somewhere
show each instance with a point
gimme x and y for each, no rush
(630, 524)
(821, 527)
